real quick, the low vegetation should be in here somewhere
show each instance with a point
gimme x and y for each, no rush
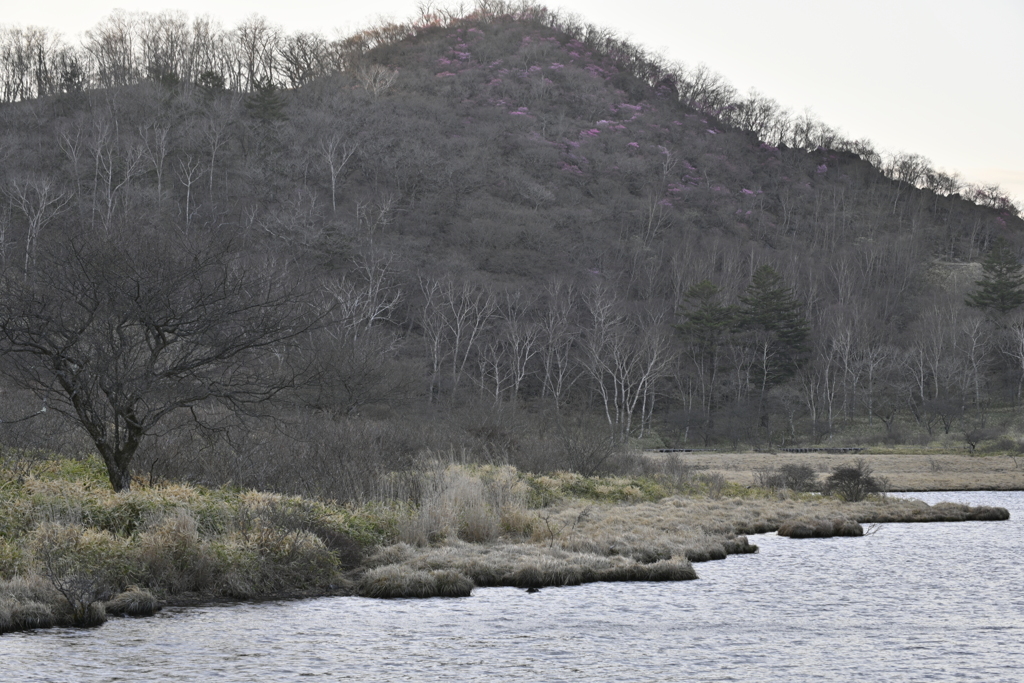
(73, 552)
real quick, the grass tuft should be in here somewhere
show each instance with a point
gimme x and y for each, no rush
(134, 602)
(820, 528)
(399, 581)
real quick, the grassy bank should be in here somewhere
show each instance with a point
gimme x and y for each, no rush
(905, 471)
(498, 527)
(72, 552)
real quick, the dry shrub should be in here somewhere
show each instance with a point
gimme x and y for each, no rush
(84, 565)
(474, 505)
(798, 477)
(853, 482)
(174, 558)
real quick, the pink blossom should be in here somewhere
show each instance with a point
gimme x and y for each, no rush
(556, 65)
(665, 202)
(823, 168)
(634, 145)
(445, 74)
(444, 60)
(746, 191)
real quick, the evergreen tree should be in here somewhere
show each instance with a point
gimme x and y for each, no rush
(266, 103)
(770, 307)
(707, 326)
(1001, 287)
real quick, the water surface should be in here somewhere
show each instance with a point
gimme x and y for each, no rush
(910, 602)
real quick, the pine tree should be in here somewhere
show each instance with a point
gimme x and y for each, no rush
(769, 306)
(1001, 287)
(706, 328)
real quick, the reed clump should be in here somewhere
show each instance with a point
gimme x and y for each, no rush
(396, 581)
(134, 602)
(820, 528)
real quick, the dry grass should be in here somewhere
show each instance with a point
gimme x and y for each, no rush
(394, 581)
(71, 550)
(904, 471)
(134, 602)
(820, 528)
(579, 541)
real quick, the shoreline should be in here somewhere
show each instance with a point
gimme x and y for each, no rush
(72, 552)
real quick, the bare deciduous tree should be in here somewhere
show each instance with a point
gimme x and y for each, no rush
(118, 335)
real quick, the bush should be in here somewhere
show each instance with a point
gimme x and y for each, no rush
(853, 482)
(796, 477)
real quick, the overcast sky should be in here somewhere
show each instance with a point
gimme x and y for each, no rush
(939, 78)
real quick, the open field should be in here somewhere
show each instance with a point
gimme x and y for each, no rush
(905, 471)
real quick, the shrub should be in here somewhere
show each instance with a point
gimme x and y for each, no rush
(791, 476)
(853, 482)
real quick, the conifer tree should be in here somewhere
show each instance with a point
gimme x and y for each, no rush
(707, 325)
(769, 306)
(1001, 286)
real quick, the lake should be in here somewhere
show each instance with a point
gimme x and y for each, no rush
(908, 602)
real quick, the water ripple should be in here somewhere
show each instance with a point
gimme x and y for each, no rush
(913, 602)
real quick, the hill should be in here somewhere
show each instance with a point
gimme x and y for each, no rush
(522, 237)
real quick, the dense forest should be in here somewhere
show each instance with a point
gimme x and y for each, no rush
(235, 255)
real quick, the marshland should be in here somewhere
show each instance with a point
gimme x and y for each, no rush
(73, 551)
(807, 610)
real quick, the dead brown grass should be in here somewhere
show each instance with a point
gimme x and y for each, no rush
(904, 471)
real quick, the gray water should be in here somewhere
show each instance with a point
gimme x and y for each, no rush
(911, 602)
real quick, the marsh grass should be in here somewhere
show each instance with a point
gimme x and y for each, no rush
(71, 551)
(394, 581)
(70, 545)
(820, 528)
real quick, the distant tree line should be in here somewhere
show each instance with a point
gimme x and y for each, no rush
(170, 48)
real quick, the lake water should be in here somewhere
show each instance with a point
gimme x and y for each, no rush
(911, 602)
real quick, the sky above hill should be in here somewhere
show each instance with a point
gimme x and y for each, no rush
(925, 76)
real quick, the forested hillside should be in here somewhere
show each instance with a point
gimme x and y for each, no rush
(238, 255)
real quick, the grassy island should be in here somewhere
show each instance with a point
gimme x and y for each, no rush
(73, 552)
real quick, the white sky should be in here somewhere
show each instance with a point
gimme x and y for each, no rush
(939, 78)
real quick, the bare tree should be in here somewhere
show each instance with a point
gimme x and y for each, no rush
(336, 152)
(40, 200)
(454, 316)
(119, 335)
(625, 355)
(377, 79)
